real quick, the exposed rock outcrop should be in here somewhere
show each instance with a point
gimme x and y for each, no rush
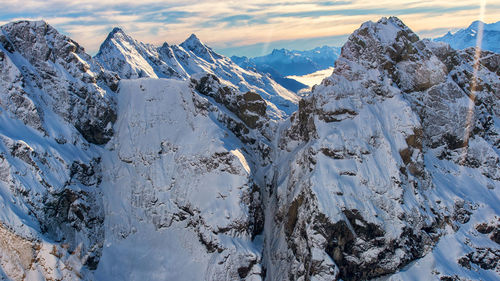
(368, 150)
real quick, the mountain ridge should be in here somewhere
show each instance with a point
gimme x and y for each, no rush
(189, 58)
(281, 63)
(467, 37)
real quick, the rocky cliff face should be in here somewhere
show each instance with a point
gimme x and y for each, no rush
(382, 159)
(391, 163)
(56, 104)
(74, 85)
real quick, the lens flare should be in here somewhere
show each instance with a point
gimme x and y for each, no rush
(470, 113)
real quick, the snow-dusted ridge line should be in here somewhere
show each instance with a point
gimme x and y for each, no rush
(132, 59)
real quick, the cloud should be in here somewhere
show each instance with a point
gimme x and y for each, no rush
(227, 25)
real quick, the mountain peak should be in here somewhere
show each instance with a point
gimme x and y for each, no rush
(38, 40)
(193, 37)
(117, 32)
(28, 22)
(475, 24)
(36, 26)
(192, 42)
(116, 36)
(385, 31)
(279, 51)
(467, 37)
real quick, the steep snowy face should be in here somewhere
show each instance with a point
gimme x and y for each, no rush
(180, 187)
(465, 38)
(395, 151)
(132, 59)
(55, 104)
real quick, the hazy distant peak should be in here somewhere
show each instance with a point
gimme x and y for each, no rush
(467, 37)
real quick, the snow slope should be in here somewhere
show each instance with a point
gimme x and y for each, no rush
(467, 37)
(179, 190)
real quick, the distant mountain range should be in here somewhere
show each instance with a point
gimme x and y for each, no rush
(282, 62)
(465, 38)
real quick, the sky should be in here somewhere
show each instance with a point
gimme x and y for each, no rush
(250, 28)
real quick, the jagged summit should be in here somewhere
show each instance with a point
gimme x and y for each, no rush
(194, 44)
(128, 57)
(385, 30)
(116, 36)
(375, 44)
(280, 51)
(117, 31)
(192, 40)
(132, 59)
(32, 24)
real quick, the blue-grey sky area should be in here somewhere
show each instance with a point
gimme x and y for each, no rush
(250, 28)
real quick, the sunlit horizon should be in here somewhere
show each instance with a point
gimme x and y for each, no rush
(250, 28)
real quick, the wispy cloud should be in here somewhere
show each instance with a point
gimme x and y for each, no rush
(247, 25)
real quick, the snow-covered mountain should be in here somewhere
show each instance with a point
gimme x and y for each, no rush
(467, 37)
(56, 107)
(177, 166)
(393, 158)
(132, 59)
